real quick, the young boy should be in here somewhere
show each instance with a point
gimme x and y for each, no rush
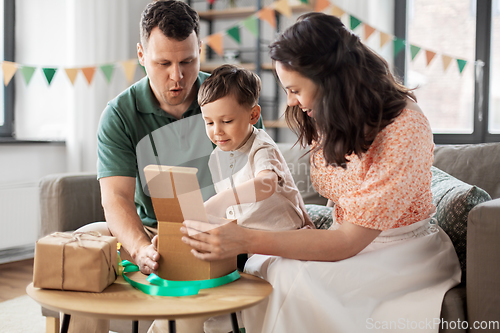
(251, 178)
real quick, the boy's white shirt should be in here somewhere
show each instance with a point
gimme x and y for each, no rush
(281, 211)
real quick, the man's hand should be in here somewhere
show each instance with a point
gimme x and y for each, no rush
(147, 257)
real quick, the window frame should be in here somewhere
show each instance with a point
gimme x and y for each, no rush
(7, 129)
(480, 132)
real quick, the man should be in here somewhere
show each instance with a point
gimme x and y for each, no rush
(155, 121)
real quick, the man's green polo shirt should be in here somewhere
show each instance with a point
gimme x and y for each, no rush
(134, 132)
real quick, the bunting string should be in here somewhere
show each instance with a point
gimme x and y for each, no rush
(216, 42)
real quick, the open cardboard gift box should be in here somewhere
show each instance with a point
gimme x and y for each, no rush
(176, 197)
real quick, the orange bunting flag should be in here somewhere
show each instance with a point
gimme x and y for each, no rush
(446, 61)
(337, 11)
(384, 38)
(267, 14)
(71, 73)
(9, 68)
(283, 7)
(203, 52)
(216, 43)
(368, 31)
(321, 5)
(88, 72)
(429, 55)
(129, 67)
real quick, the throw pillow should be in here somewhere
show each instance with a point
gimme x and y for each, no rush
(454, 200)
(321, 216)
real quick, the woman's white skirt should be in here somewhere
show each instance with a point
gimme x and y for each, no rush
(396, 284)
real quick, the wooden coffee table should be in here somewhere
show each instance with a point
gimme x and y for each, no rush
(121, 301)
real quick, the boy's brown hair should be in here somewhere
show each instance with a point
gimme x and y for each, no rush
(225, 80)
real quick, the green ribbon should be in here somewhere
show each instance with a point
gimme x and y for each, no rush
(162, 287)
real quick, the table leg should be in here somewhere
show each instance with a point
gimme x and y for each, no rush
(171, 326)
(234, 322)
(65, 323)
(135, 326)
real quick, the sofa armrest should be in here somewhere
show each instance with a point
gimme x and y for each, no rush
(483, 263)
(69, 201)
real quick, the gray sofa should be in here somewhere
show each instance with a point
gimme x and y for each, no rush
(465, 180)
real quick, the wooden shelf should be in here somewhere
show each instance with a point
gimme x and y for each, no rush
(280, 123)
(210, 66)
(229, 13)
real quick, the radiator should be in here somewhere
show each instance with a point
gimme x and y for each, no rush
(19, 220)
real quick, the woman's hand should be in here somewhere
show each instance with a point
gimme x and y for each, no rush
(215, 241)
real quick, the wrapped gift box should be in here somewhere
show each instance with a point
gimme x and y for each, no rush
(75, 261)
(176, 197)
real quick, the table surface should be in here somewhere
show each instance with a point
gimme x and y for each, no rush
(121, 301)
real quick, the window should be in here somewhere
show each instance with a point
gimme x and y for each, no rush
(461, 102)
(494, 114)
(7, 51)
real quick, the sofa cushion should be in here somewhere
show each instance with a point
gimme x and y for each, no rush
(475, 164)
(297, 160)
(454, 199)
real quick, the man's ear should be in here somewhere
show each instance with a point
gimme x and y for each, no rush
(255, 114)
(140, 54)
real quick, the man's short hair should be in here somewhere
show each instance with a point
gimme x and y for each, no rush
(174, 18)
(226, 80)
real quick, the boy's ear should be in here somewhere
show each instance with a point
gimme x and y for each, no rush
(255, 114)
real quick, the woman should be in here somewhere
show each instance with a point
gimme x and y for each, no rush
(381, 264)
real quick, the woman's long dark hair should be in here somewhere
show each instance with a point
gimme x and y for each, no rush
(357, 94)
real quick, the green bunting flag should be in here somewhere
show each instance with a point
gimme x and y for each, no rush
(414, 51)
(304, 2)
(27, 72)
(461, 64)
(234, 33)
(107, 70)
(399, 45)
(49, 74)
(355, 22)
(252, 24)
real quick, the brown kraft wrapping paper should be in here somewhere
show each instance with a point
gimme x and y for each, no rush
(75, 261)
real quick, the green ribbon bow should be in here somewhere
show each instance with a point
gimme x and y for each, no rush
(162, 287)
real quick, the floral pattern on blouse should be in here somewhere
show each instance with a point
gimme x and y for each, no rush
(390, 185)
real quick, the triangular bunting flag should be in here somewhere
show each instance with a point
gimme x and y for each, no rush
(252, 24)
(399, 45)
(107, 70)
(337, 11)
(216, 43)
(429, 55)
(446, 61)
(49, 74)
(368, 31)
(9, 68)
(304, 2)
(283, 7)
(461, 64)
(129, 67)
(384, 38)
(267, 14)
(321, 5)
(27, 73)
(71, 73)
(234, 33)
(414, 51)
(211, 1)
(354, 22)
(88, 72)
